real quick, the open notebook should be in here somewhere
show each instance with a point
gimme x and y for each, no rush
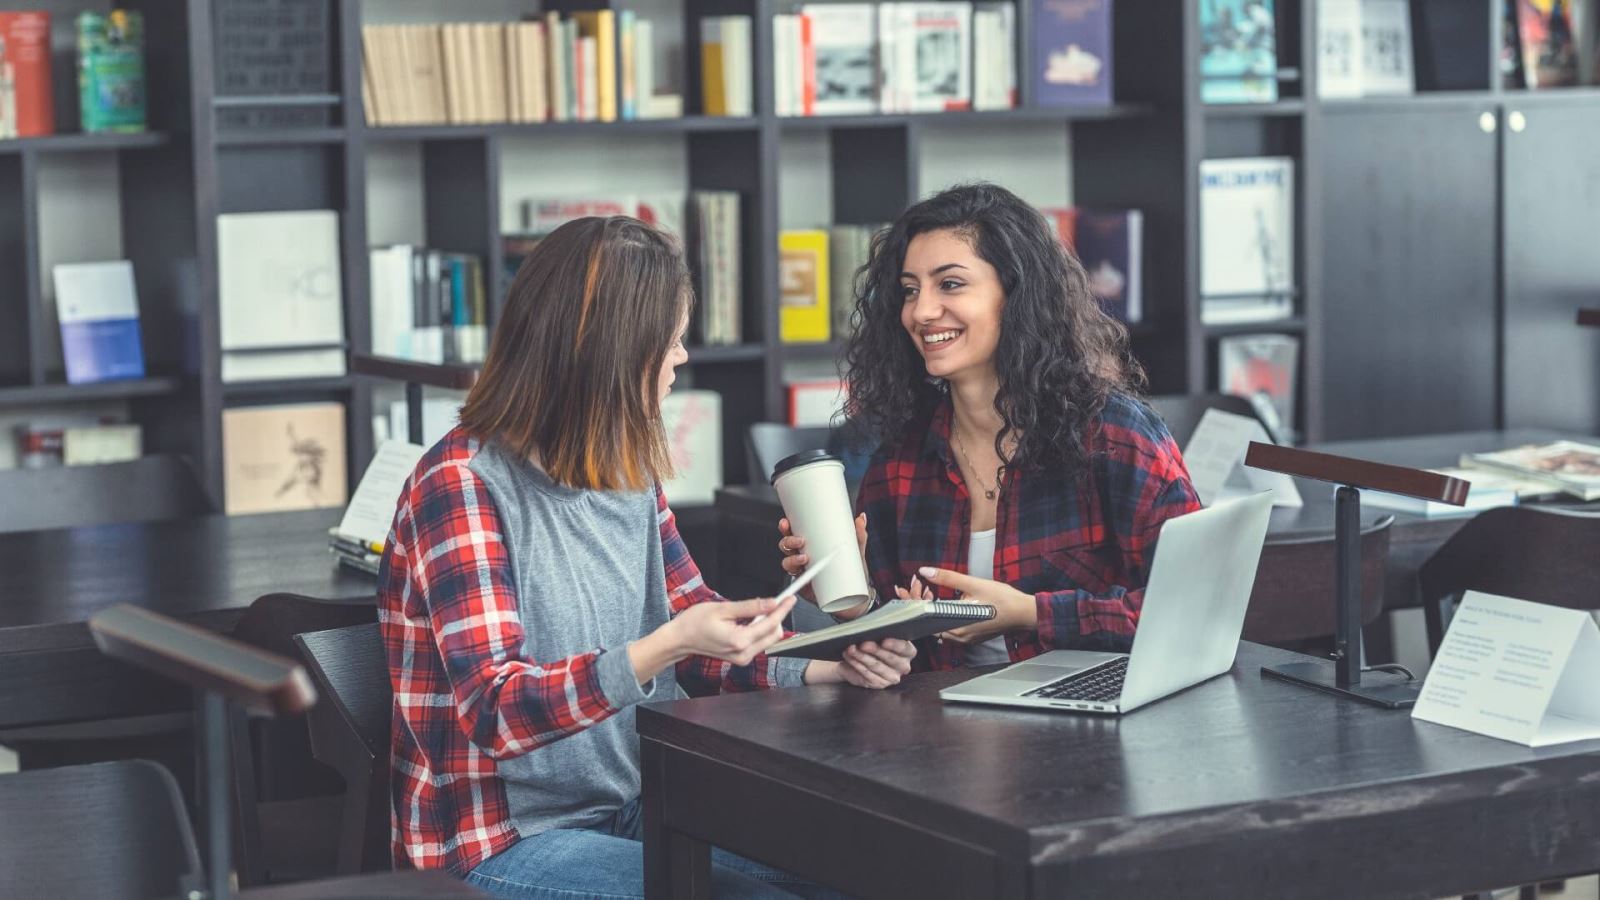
(357, 542)
(904, 619)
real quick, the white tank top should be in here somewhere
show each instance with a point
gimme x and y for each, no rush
(980, 564)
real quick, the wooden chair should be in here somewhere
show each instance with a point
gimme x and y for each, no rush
(107, 830)
(1292, 603)
(1182, 412)
(285, 802)
(149, 489)
(1531, 553)
(350, 732)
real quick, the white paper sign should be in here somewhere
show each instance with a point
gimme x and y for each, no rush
(372, 508)
(1518, 671)
(1215, 457)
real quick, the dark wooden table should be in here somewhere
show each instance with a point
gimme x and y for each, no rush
(748, 525)
(205, 570)
(1240, 787)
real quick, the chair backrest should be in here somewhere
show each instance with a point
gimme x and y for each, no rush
(1531, 553)
(107, 830)
(1182, 412)
(350, 731)
(149, 489)
(767, 443)
(1293, 598)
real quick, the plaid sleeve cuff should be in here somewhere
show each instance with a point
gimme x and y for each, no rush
(618, 681)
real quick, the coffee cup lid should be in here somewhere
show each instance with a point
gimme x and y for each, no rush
(804, 457)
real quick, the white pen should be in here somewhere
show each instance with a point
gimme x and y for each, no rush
(795, 586)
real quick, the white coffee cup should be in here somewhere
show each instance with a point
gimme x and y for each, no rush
(811, 488)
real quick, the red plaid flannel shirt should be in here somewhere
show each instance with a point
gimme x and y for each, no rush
(1080, 545)
(464, 693)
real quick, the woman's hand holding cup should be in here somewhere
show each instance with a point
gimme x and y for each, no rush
(795, 558)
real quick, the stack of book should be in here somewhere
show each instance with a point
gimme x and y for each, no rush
(428, 305)
(594, 66)
(1565, 467)
(76, 440)
(358, 540)
(862, 58)
(706, 224)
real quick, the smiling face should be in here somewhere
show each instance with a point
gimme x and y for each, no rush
(951, 302)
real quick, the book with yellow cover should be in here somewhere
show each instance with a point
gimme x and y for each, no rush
(803, 283)
(713, 87)
(602, 26)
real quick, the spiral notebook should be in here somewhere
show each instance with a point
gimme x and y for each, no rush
(903, 619)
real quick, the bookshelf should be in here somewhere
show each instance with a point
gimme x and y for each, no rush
(1143, 152)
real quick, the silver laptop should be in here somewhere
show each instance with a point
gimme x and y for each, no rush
(1194, 605)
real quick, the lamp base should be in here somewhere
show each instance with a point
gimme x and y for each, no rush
(1383, 689)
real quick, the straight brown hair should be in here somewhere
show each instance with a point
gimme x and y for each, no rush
(571, 371)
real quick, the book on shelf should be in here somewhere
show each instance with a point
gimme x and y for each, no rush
(994, 55)
(277, 458)
(98, 308)
(692, 420)
(428, 305)
(1262, 368)
(1238, 51)
(27, 99)
(93, 445)
(594, 65)
(439, 415)
(935, 55)
(281, 300)
(715, 253)
(725, 66)
(1339, 49)
(272, 47)
(111, 85)
(838, 71)
(1110, 244)
(803, 286)
(1488, 489)
(849, 249)
(906, 620)
(1387, 63)
(1549, 43)
(1072, 52)
(363, 530)
(1246, 229)
(813, 403)
(1566, 466)
(74, 439)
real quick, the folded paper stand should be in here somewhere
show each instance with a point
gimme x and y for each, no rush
(1345, 676)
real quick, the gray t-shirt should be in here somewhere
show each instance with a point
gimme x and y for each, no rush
(589, 574)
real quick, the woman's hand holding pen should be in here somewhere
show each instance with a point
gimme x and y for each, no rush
(737, 632)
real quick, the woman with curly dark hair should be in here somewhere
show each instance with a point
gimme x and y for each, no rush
(1016, 466)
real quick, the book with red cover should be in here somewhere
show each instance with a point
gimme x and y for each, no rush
(25, 52)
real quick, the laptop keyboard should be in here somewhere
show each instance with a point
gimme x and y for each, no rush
(1102, 683)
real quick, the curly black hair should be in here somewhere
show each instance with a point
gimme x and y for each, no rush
(1060, 356)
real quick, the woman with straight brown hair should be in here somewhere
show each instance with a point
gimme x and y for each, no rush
(534, 588)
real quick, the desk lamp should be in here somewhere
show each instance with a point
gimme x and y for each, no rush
(1344, 676)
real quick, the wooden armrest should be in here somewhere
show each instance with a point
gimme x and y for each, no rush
(441, 375)
(261, 682)
(1358, 473)
(1589, 317)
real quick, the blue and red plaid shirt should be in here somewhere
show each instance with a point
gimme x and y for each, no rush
(465, 695)
(1081, 545)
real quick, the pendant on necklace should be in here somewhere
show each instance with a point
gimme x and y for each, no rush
(989, 494)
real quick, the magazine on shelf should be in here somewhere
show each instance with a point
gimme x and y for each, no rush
(1238, 51)
(1247, 227)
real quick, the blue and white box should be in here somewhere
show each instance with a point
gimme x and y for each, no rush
(99, 313)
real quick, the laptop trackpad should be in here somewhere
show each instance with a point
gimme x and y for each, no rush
(1035, 672)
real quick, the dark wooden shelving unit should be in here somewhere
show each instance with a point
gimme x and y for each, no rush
(1292, 325)
(1397, 281)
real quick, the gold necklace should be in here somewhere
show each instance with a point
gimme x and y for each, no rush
(988, 492)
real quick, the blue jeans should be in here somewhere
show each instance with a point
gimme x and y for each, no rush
(607, 861)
